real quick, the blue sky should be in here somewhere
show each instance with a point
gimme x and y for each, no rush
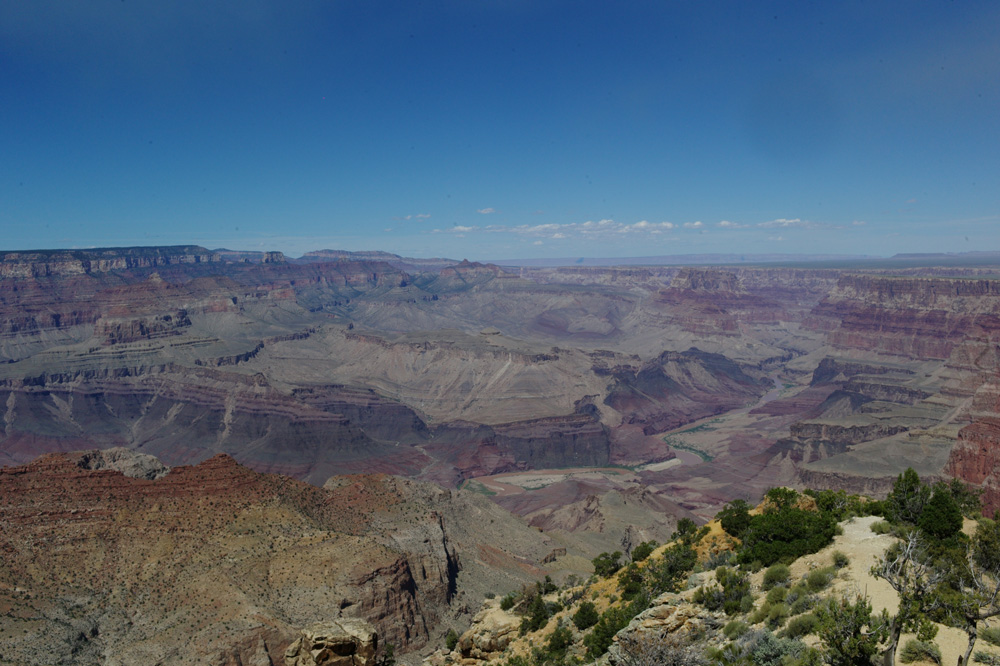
(489, 130)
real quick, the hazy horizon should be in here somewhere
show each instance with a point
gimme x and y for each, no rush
(503, 129)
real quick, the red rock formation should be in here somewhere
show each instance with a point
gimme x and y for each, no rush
(921, 318)
(216, 559)
(975, 457)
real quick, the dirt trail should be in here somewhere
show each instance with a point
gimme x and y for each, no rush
(864, 547)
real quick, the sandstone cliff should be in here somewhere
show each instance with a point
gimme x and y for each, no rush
(218, 564)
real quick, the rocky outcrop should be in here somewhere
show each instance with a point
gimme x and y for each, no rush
(920, 318)
(678, 388)
(48, 263)
(130, 463)
(870, 486)
(118, 331)
(975, 458)
(216, 559)
(668, 618)
(843, 435)
(340, 643)
(492, 630)
(839, 369)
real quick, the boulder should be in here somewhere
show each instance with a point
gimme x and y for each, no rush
(344, 642)
(491, 632)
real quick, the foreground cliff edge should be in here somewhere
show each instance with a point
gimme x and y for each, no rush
(215, 563)
(109, 558)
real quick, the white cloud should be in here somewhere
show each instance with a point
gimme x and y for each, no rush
(418, 216)
(486, 211)
(591, 229)
(727, 224)
(859, 223)
(783, 223)
(538, 243)
(693, 225)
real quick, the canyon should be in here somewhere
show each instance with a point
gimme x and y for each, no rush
(237, 398)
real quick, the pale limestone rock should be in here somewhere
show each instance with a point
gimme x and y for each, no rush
(344, 642)
(491, 632)
(668, 615)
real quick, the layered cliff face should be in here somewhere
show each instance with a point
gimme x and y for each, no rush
(918, 318)
(215, 560)
(976, 455)
(680, 388)
(357, 362)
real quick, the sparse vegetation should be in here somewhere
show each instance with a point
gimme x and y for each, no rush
(991, 635)
(586, 616)
(643, 550)
(776, 574)
(732, 597)
(735, 518)
(817, 579)
(801, 625)
(784, 533)
(916, 650)
(607, 564)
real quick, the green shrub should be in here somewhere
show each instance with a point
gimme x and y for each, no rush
(780, 498)
(777, 615)
(840, 505)
(536, 617)
(769, 650)
(451, 639)
(586, 616)
(630, 580)
(907, 499)
(881, 527)
(612, 621)
(686, 529)
(508, 601)
(915, 650)
(801, 603)
(820, 578)
(941, 517)
(643, 550)
(716, 560)
(732, 597)
(735, 518)
(776, 574)
(990, 634)
(777, 595)
(785, 535)
(734, 629)
(986, 658)
(607, 564)
(840, 559)
(801, 625)
(760, 614)
(517, 660)
(665, 573)
(559, 641)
